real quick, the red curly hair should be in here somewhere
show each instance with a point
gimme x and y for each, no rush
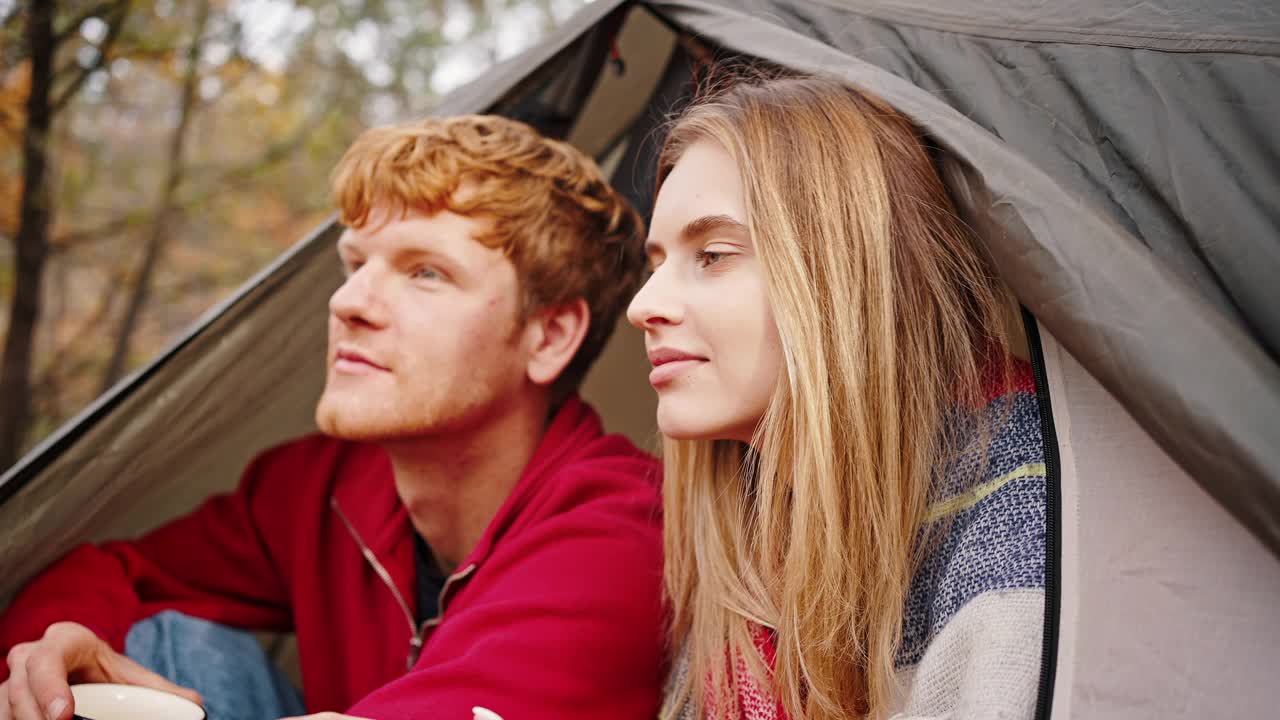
(566, 230)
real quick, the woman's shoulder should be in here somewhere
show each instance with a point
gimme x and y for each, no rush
(985, 533)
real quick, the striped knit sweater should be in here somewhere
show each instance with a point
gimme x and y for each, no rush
(974, 619)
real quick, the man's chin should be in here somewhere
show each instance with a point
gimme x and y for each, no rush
(363, 424)
(340, 423)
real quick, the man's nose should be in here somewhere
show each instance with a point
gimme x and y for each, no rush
(657, 303)
(357, 300)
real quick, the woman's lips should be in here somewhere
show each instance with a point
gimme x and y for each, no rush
(668, 371)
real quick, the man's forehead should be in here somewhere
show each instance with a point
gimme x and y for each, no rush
(442, 233)
(383, 214)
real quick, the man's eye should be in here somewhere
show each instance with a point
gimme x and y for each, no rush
(425, 273)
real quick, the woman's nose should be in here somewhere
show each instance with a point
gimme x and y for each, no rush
(656, 304)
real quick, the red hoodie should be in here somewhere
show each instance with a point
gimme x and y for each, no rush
(556, 613)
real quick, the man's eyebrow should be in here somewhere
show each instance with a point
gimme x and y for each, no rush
(407, 253)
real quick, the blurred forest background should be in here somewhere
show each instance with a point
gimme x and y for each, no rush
(154, 154)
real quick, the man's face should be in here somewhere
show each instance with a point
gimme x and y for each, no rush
(423, 336)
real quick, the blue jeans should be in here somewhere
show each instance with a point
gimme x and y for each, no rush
(226, 666)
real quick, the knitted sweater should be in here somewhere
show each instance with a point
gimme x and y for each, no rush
(974, 620)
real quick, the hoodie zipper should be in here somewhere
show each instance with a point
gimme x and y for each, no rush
(417, 633)
(1053, 521)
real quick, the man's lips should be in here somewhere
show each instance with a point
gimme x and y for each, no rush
(669, 363)
(350, 361)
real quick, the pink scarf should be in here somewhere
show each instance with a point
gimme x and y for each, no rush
(754, 702)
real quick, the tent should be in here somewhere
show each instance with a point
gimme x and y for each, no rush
(1120, 161)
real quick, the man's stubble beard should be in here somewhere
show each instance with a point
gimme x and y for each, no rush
(366, 424)
(445, 412)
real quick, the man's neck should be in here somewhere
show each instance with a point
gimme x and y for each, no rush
(453, 485)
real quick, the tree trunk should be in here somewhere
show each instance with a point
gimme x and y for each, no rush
(32, 244)
(141, 291)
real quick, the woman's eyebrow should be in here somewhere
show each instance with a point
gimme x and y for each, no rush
(698, 228)
(708, 224)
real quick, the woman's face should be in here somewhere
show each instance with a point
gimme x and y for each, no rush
(708, 328)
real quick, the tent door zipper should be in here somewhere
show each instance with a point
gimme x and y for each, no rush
(1053, 520)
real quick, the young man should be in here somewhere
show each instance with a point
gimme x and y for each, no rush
(463, 534)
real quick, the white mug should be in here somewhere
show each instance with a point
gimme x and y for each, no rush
(107, 701)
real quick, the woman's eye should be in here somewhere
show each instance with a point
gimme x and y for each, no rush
(706, 258)
(425, 273)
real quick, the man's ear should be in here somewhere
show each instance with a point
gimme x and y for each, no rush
(558, 332)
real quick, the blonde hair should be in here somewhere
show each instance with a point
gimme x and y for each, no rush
(889, 318)
(566, 230)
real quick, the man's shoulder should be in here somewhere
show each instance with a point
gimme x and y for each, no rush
(318, 449)
(314, 460)
(596, 512)
(576, 456)
(609, 465)
(593, 487)
(615, 450)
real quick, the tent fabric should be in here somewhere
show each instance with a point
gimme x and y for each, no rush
(184, 428)
(1251, 26)
(1101, 178)
(1167, 603)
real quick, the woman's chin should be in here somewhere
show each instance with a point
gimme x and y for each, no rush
(680, 426)
(683, 434)
(691, 426)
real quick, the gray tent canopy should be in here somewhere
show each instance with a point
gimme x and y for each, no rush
(1119, 160)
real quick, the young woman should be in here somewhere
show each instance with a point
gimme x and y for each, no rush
(854, 485)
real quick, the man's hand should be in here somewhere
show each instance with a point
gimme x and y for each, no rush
(40, 673)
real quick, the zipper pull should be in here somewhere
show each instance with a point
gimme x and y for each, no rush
(415, 650)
